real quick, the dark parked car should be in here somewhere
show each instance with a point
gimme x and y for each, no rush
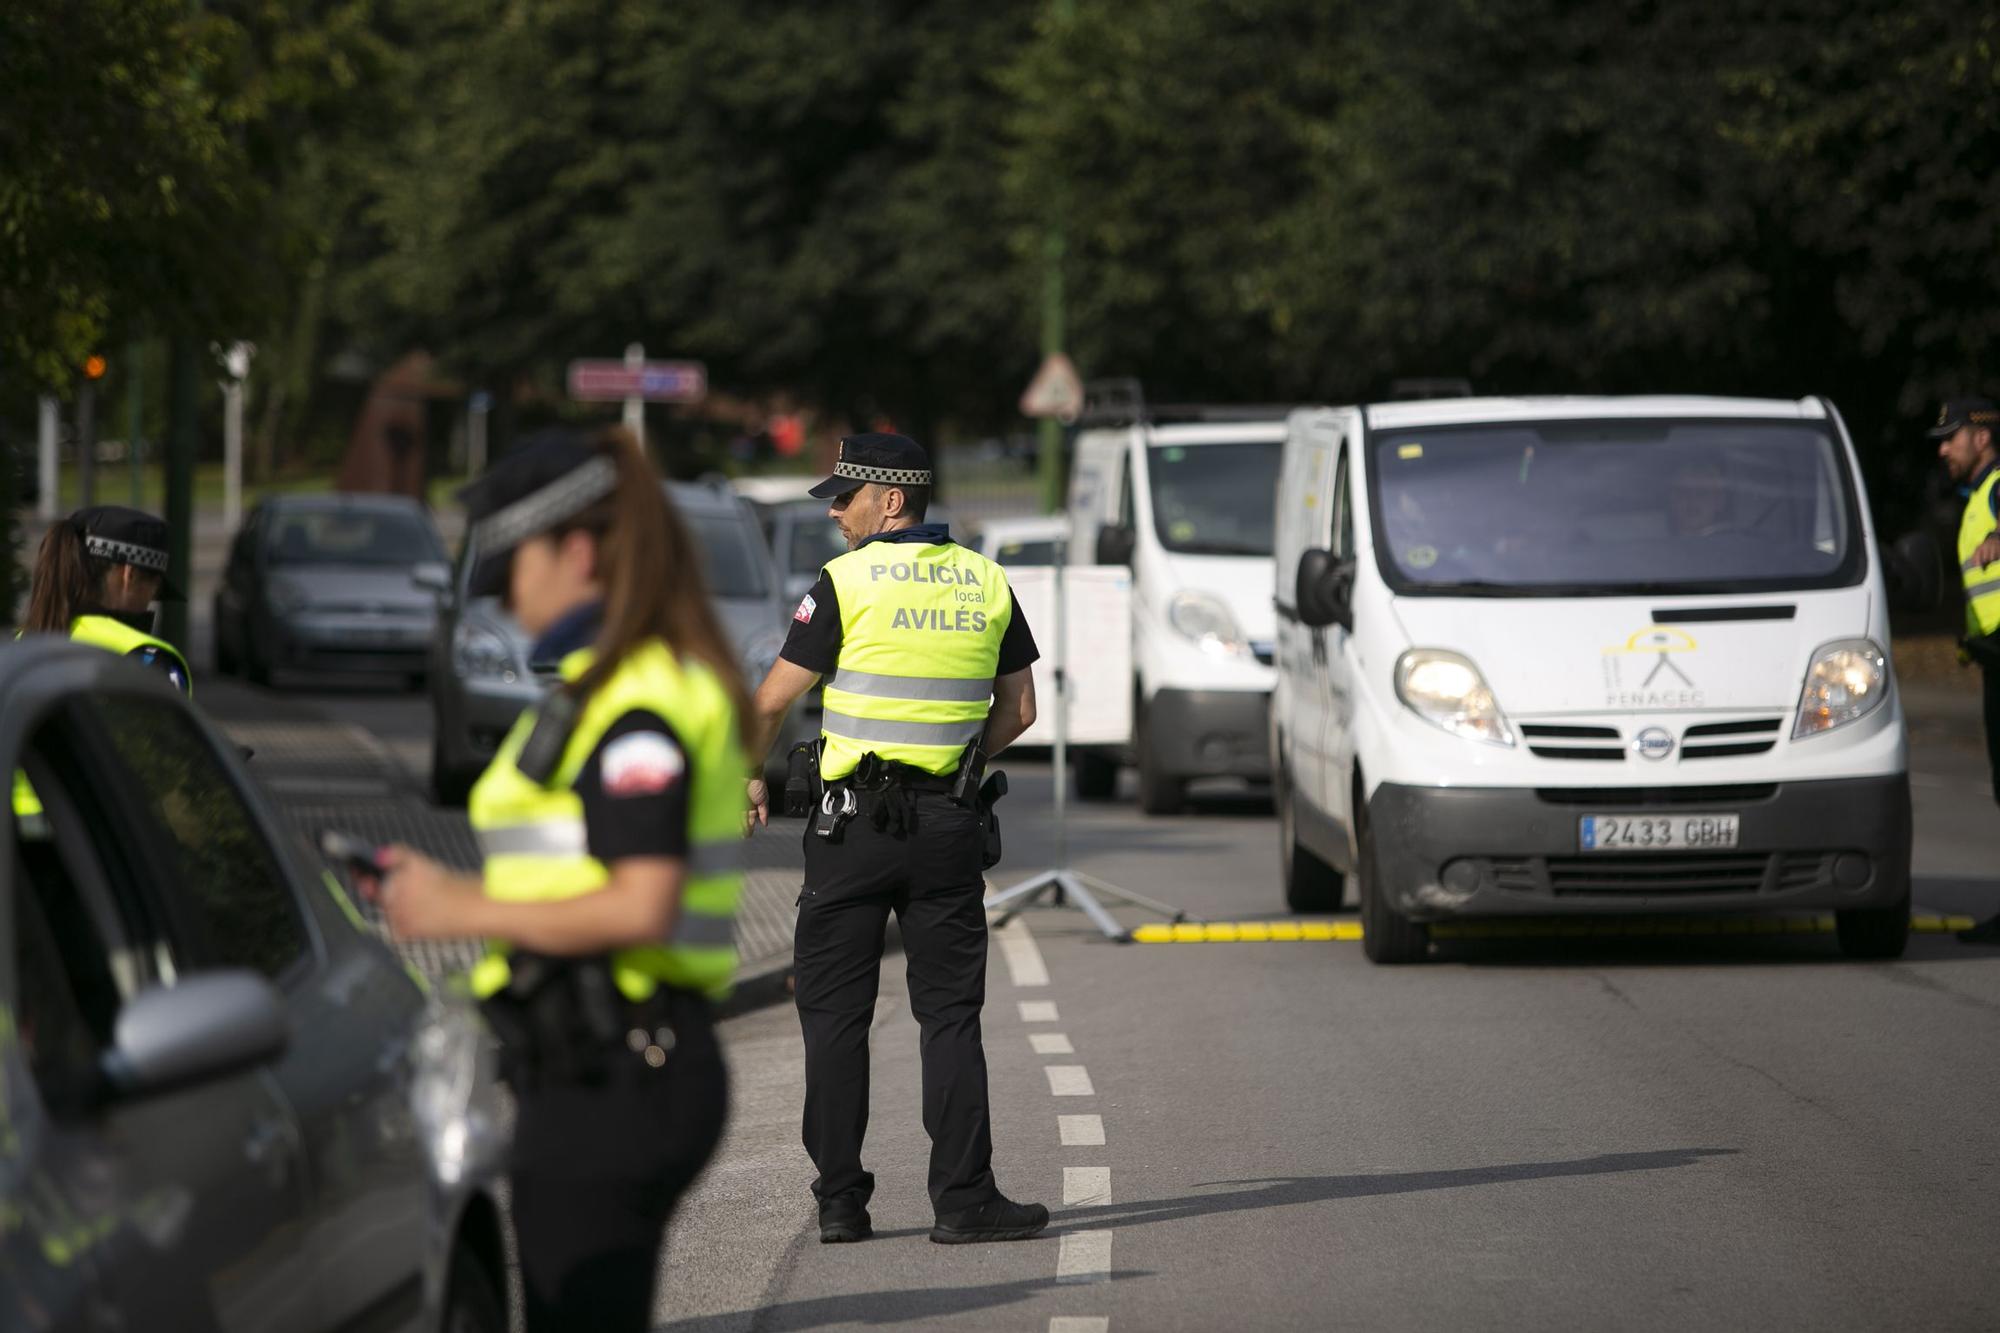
(481, 679)
(206, 1062)
(324, 583)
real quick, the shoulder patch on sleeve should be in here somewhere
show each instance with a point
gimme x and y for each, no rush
(644, 763)
(807, 606)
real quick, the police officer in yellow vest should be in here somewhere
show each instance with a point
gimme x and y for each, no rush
(97, 574)
(926, 660)
(1968, 440)
(610, 824)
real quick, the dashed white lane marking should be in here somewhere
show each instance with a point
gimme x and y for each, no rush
(1038, 1011)
(1069, 1081)
(1051, 1043)
(1081, 1131)
(1084, 1186)
(1024, 960)
(1069, 1323)
(1085, 1257)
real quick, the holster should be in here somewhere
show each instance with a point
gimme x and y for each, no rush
(989, 820)
(803, 786)
(561, 1020)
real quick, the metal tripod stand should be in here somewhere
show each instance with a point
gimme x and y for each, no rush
(1067, 885)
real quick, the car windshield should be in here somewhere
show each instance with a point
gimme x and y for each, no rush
(352, 537)
(1608, 508)
(1215, 499)
(732, 553)
(814, 541)
(1039, 551)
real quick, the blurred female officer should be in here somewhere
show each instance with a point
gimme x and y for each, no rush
(96, 577)
(610, 827)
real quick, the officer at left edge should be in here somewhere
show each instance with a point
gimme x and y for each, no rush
(1967, 434)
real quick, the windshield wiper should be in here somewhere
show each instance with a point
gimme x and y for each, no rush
(1214, 548)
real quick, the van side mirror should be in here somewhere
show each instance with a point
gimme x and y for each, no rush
(1913, 571)
(1323, 590)
(209, 1025)
(1115, 544)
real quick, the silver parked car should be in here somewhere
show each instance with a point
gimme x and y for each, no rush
(206, 1061)
(481, 678)
(325, 583)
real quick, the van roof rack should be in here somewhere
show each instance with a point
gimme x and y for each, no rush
(1122, 402)
(1408, 390)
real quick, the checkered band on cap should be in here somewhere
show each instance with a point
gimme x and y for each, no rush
(125, 553)
(884, 476)
(564, 498)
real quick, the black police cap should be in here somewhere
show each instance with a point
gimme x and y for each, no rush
(887, 460)
(1960, 412)
(554, 476)
(127, 537)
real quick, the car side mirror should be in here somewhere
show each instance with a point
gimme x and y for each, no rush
(1913, 572)
(433, 578)
(1115, 544)
(1323, 589)
(207, 1026)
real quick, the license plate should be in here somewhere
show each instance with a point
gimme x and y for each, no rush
(1657, 833)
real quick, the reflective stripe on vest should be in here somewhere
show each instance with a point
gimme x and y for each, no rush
(920, 631)
(534, 839)
(1982, 582)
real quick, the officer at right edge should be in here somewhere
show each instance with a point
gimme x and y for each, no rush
(926, 659)
(1965, 433)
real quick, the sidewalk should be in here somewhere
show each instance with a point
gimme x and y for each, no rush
(321, 774)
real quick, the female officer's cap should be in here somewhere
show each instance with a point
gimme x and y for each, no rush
(550, 479)
(127, 537)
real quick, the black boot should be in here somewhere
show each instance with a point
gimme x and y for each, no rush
(996, 1219)
(842, 1220)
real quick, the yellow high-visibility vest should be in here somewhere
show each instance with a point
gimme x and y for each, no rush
(532, 834)
(1982, 582)
(920, 631)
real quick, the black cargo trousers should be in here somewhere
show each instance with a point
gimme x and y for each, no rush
(930, 875)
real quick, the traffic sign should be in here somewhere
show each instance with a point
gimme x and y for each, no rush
(654, 381)
(1056, 391)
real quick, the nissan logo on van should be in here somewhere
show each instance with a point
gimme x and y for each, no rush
(1653, 743)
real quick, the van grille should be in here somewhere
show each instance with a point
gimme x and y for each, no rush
(1566, 742)
(1721, 740)
(1663, 874)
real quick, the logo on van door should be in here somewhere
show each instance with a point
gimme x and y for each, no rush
(1654, 743)
(1666, 683)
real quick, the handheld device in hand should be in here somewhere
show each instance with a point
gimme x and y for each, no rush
(355, 855)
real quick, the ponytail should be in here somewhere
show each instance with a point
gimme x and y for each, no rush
(67, 581)
(651, 570)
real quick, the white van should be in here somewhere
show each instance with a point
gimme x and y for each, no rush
(1183, 496)
(1585, 655)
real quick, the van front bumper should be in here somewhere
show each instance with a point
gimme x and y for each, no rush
(1450, 852)
(1211, 733)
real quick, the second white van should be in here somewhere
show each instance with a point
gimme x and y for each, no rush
(1577, 656)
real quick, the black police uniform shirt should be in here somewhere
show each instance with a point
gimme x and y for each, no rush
(814, 639)
(634, 785)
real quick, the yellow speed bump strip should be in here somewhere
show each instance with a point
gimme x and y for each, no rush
(1271, 932)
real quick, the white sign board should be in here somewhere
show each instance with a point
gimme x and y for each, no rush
(1098, 656)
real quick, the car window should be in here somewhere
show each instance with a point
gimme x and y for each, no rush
(1343, 509)
(228, 882)
(1037, 552)
(1125, 519)
(65, 1001)
(731, 550)
(352, 537)
(815, 541)
(1215, 499)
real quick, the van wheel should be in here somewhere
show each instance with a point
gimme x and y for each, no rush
(1096, 777)
(1387, 936)
(474, 1301)
(1160, 792)
(1311, 885)
(1874, 932)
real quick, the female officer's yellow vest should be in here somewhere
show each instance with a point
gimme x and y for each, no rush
(920, 630)
(113, 636)
(532, 834)
(1982, 583)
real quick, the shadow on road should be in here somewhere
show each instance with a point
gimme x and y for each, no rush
(1957, 895)
(911, 1305)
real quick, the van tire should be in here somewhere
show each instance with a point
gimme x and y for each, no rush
(1311, 885)
(1387, 936)
(1096, 776)
(1160, 792)
(1874, 932)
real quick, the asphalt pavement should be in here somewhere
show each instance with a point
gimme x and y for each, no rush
(1686, 1130)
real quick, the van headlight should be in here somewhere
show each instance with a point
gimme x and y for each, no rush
(1204, 618)
(1446, 690)
(477, 651)
(1846, 682)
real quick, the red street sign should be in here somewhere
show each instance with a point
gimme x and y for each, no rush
(655, 381)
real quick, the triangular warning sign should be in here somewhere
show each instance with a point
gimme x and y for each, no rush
(1056, 391)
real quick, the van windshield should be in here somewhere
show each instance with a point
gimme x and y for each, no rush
(1215, 499)
(1608, 508)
